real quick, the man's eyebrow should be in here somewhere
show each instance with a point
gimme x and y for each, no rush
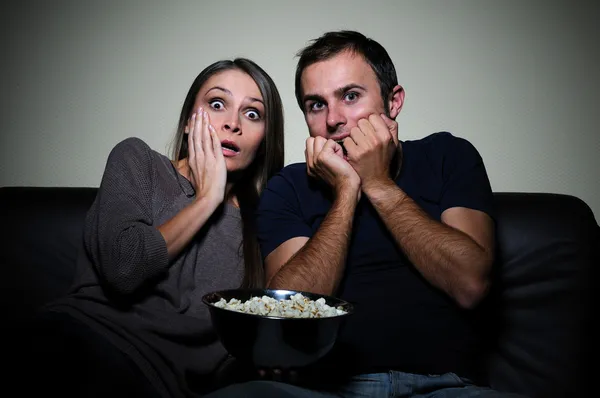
(338, 92)
(228, 92)
(312, 97)
(352, 86)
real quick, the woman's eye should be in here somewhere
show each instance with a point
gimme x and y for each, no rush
(216, 104)
(351, 96)
(253, 115)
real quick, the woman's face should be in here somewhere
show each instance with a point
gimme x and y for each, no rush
(237, 112)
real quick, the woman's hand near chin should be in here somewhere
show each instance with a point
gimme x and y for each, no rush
(208, 175)
(208, 170)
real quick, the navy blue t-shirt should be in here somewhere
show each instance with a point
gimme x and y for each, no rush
(401, 322)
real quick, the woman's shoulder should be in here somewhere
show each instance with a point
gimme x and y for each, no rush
(134, 155)
(130, 146)
(134, 149)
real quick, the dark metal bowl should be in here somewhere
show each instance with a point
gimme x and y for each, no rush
(274, 342)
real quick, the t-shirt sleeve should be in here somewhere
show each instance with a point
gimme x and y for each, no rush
(121, 239)
(465, 179)
(279, 216)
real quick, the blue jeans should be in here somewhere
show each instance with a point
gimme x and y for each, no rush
(391, 384)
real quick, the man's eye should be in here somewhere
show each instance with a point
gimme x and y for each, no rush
(253, 115)
(216, 104)
(315, 106)
(351, 96)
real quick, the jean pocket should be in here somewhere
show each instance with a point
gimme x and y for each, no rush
(370, 377)
(360, 379)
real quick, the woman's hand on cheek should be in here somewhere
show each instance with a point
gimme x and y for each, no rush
(207, 164)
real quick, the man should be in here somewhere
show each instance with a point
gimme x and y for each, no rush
(403, 230)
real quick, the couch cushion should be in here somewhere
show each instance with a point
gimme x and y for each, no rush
(44, 231)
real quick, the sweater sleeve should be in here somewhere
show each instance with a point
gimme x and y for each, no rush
(125, 246)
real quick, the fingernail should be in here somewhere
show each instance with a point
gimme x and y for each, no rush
(205, 115)
(200, 110)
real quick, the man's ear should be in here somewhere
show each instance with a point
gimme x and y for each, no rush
(396, 101)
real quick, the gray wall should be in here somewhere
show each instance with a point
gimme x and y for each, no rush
(517, 78)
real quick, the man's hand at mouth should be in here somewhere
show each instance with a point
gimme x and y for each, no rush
(370, 149)
(325, 160)
(344, 151)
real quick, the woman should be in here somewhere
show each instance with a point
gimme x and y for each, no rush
(160, 234)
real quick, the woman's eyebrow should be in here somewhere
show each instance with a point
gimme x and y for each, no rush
(228, 92)
(219, 88)
(254, 99)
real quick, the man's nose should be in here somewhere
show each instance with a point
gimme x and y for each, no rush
(335, 118)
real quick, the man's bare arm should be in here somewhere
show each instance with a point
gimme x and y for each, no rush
(317, 264)
(455, 255)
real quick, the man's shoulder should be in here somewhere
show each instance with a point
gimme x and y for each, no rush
(441, 140)
(293, 174)
(439, 146)
(293, 181)
(294, 170)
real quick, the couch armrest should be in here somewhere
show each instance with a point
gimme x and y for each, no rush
(539, 308)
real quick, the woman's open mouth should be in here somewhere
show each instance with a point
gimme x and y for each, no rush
(229, 148)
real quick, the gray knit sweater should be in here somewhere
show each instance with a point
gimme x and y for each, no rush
(127, 289)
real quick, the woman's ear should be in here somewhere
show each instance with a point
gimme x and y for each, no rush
(396, 101)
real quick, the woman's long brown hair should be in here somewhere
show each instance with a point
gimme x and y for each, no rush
(268, 161)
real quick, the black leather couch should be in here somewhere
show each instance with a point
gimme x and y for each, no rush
(540, 336)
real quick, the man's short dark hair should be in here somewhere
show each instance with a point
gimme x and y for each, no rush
(331, 44)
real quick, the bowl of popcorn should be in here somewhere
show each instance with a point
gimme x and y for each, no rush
(276, 328)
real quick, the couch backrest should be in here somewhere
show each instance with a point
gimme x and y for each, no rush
(538, 312)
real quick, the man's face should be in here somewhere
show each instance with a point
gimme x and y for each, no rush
(338, 92)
